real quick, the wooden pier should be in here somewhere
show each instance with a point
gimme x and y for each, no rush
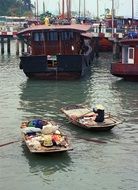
(5, 40)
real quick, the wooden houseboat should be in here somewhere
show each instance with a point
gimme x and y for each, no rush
(56, 52)
(127, 67)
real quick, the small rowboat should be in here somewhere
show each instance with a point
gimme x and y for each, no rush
(44, 136)
(84, 117)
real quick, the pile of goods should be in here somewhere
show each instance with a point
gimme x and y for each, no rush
(42, 133)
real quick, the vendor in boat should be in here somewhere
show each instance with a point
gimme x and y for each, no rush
(99, 109)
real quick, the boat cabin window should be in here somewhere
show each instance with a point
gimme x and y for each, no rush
(51, 36)
(131, 55)
(67, 35)
(125, 54)
(38, 36)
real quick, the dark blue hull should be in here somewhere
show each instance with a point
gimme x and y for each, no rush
(60, 67)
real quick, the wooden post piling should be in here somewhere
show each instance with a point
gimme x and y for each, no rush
(8, 46)
(22, 46)
(17, 47)
(2, 45)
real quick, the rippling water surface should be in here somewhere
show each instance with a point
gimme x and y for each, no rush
(91, 165)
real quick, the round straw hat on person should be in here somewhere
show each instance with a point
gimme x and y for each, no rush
(99, 107)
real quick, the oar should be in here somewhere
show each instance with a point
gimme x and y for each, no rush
(1, 145)
(92, 140)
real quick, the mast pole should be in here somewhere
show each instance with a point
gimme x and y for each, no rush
(37, 10)
(112, 17)
(132, 13)
(79, 7)
(69, 9)
(84, 10)
(97, 9)
(59, 12)
(63, 4)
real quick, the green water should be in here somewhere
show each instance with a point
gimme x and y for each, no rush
(91, 166)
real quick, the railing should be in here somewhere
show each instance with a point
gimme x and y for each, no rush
(107, 32)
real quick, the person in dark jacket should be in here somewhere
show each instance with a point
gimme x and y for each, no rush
(99, 109)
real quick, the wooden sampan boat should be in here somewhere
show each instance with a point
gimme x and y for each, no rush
(84, 117)
(44, 136)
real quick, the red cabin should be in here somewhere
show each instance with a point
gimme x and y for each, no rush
(127, 67)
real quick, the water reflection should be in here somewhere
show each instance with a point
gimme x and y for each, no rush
(39, 97)
(47, 164)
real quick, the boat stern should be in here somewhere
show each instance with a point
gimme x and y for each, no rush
(126, 71)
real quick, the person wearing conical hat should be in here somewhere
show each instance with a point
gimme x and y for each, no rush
(100, 106)
(99, 109)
